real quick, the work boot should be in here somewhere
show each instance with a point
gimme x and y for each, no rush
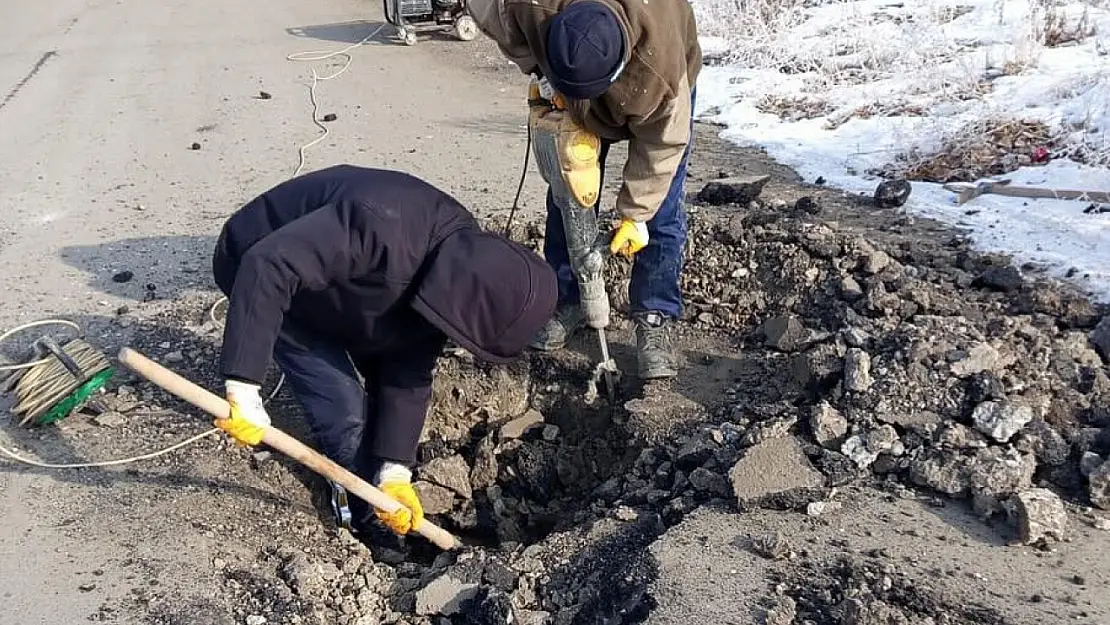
(567, 320)
(653, 346)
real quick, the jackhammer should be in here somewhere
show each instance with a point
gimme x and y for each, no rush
(568, 157)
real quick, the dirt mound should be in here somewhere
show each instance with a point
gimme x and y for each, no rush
(906, 363)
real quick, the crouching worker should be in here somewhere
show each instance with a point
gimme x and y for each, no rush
(349, 270)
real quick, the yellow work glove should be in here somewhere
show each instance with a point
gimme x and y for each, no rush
(248, 416)
(630, 237)
(395, 481)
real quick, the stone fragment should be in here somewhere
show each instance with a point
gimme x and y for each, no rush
(884, 440)
(256, 619)
(943, 473)
(705, 481)
(110, 420)
(784, 333)
(818, 366)
(1100, 338)
(498, 574)
(892, 193)
(817, 508)
(779, 611)
(872, 612)
(1000, 420)
(774, 466)
(444, 596)
(858, 452)
(984, 386)
(857, 370)
(484, 472)
(996, 474)
(1048, 445)
(304, 577)
(875, 262)
(450, 472)
(958, 436)
(1099, 486)
(828, 425)
(533, 617)
(695, 451)
(434, 498)
(1089, 462)
(982, 357)
(488, 607)
(1006, 279)
(850, 289)
(772, 546)
(518, 426)
(916, 420)
(767, 430)
(1040, 515)
(737, 190)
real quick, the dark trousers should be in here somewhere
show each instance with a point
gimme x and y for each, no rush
(337, 408)
(656, 269)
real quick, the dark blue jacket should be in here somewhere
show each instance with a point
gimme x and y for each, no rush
(386, 265)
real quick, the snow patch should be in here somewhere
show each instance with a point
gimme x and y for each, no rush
(840, 89)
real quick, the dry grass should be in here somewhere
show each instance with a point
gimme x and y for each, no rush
(1055, 28)
(914, 48)
(893, 108)
(794, 108)
(985, 148)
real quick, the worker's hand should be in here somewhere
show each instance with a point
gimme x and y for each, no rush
(248, 416)
(396, 481)
(630, 237)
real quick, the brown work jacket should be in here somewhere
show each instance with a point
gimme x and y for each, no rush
(649, 104)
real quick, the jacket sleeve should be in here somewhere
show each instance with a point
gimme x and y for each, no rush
(655, 151)
(498, 24)
(305, 254)
(401, 396)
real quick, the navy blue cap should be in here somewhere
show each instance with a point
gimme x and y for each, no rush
(585, 50)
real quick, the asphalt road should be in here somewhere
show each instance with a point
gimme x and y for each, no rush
(101, 102)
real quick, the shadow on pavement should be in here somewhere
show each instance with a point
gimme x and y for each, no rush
(128, 268)
(379, 32)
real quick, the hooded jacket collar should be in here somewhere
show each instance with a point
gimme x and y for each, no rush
(487, 293)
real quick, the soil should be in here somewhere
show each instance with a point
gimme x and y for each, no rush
(898, 390)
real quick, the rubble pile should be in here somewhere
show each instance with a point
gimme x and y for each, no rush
(914, 364)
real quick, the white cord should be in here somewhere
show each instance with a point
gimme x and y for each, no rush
(27, 326)
(316, 79)
(106, 463)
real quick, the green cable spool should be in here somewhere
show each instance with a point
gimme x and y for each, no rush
(59, 381)
(78, 397)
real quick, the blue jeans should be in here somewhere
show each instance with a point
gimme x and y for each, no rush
(656, 270)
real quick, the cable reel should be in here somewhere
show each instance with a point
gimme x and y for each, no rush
(58, 379)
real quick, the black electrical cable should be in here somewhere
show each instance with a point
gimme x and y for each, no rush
(520, 185)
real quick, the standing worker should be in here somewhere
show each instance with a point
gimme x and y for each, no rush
(624, 70)
(351, 269)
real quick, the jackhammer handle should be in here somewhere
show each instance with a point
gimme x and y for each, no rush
(279, 440)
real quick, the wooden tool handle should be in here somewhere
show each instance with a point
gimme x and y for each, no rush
(279, 440)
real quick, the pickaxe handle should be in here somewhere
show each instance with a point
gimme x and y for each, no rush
(279, 440)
